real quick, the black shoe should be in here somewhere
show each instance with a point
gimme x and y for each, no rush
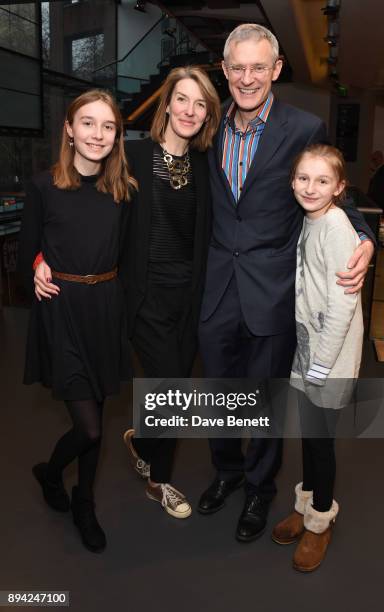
(213, 499)
(84, 517)
(253, 519)
(54, 493)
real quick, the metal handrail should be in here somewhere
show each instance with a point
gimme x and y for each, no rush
(124, 76)
(163, 15)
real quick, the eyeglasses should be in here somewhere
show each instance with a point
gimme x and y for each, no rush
(259, 70)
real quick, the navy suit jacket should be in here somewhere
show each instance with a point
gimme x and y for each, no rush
(256, 238)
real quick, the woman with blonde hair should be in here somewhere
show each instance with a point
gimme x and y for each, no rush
(73, 221)
(164, 263)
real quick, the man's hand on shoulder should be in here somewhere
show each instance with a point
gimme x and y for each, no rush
(353, 279)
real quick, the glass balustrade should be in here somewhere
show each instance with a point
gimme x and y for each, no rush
(165, 40)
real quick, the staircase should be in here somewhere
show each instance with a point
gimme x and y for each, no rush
(182, 36)
(138, 108)
(142, 71)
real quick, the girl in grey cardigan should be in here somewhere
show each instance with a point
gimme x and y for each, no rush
(329, 327)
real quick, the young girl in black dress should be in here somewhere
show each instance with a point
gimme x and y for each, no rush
(74, 218)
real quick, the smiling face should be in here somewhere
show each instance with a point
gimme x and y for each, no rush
(93, 131)
(187, 111)
(315, 185)
(250, 89)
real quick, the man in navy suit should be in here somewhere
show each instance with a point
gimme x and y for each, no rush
(247, 327)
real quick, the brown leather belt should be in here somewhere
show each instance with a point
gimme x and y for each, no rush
(88, 279)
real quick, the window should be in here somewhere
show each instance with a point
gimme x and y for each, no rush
(19, 28)
(87, 54)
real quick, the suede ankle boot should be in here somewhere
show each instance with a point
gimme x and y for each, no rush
(54, 492)
(290, 529)
(84, 518)
(315, 540)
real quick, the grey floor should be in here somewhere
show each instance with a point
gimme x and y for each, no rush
(156, 563)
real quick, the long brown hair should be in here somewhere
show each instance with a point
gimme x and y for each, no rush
(115, 177)
(203, 139)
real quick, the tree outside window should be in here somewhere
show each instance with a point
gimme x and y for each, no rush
(87, 54)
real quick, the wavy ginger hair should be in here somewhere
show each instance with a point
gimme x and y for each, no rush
(115, 177)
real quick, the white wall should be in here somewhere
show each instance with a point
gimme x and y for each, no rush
(132, 25)
(311, 99)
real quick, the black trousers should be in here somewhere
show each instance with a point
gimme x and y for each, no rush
(230, 350)
(318, 427)
(165, 340)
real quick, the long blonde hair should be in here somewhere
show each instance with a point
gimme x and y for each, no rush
(115, 177)
(203, 139)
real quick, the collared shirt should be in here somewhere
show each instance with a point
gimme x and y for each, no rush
(239, 147)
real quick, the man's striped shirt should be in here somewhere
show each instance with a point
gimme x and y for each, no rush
(239, 147)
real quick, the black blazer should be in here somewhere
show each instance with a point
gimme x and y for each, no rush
(256, 238)
(135, 247)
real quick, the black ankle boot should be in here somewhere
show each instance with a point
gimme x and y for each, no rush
(84, 517)
(54, 493)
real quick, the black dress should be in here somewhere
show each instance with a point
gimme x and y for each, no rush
(77, 341)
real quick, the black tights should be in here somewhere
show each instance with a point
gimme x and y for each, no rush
(82, 441)
(319, 470)
(318, 426)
